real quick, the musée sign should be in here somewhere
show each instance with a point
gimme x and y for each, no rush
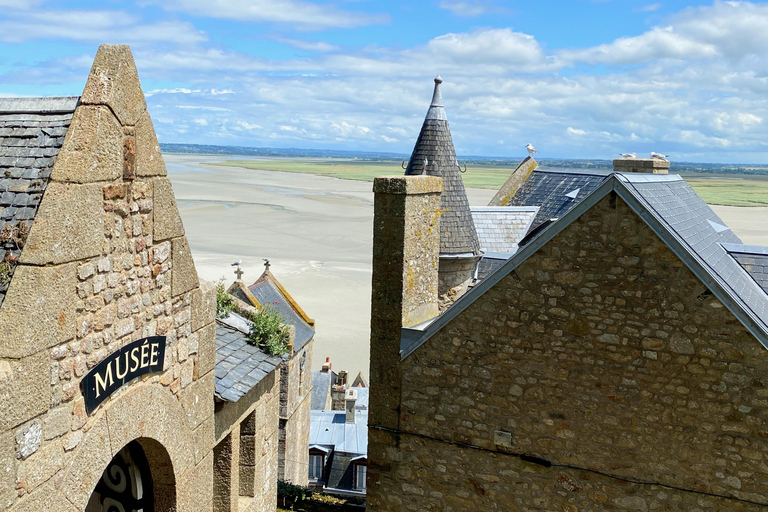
(137, 358)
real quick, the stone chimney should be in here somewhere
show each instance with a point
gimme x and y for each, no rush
(406, 249)
(326, 365)
(338, 392)
(647, 165)
(349, 400)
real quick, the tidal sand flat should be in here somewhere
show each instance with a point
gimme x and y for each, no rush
(317, 233)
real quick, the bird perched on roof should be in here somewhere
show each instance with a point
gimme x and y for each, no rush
(237, 263)
(531, 150)
(658, 156)
(628, 155)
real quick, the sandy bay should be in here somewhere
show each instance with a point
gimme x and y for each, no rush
(316, 232)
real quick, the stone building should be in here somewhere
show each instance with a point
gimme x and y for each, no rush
(295, 374)
(617, 361)
(107, 338)
(434, 155)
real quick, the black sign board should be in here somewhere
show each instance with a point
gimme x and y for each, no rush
(137, 358)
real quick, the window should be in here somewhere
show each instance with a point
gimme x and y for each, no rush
(316, 467)
(360, 474)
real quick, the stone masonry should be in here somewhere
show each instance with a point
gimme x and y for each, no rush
(106, 262)
(598, 375)
(295, 390)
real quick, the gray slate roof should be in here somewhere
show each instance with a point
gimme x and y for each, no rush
(268, 294)
(548, 189)
(330, 429)
(240, 366)
(490, 262)
(321, 384)
(31, 134)
(435, 145)
(679, 217)
(754, 259)
(500, 228)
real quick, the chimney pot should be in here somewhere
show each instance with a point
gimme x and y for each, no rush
(646, 165)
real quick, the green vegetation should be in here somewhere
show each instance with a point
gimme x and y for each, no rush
(225, 303)
(729, 190)
(268, 331)
(304, 499)
(480, 176)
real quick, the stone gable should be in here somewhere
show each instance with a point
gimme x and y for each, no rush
(599, 374)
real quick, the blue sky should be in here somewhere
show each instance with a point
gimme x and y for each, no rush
(577, 78)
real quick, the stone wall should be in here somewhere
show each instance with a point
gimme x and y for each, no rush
(596, 376)
(106, 263)
(295, 391)
(245, 475)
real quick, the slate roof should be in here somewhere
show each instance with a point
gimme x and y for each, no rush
(330, 428)
(548, 190)
(267, 290)
(754, 259)
(500, 228)
(435, 145)
(680, 218)
(31, 134)
(490, 262)
(240, 366)
(321, 389)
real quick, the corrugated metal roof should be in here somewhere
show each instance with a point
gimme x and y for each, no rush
(330, 429)
(435, 155)
(240, 366)
(31, 134)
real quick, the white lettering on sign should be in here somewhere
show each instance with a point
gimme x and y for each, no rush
(135, 359)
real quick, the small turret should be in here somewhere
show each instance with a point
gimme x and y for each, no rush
(435, 155)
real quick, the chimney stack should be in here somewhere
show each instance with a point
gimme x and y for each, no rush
(326, 365)
(647, 165)
(406, 249)
(338, 391)
(349, 400)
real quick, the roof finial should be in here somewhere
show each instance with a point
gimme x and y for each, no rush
(266, 264)
(437, 97)
(238, 271)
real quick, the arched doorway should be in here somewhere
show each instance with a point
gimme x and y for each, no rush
(138, 479)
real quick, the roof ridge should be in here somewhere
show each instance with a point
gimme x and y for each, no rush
(39, 105)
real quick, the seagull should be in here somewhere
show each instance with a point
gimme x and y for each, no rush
(531, 150)
(424, 168)
(237, 263)
(628, 155)
(658, 156)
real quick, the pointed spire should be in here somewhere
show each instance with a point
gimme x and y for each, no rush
(435, 155)
(436, 110)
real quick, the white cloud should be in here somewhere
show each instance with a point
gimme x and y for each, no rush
(93, 26)
(297, 13)
(201, 122)
(575, 131)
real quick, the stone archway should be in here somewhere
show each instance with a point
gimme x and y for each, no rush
(139, 478)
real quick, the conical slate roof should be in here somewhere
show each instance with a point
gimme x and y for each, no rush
(435, 155)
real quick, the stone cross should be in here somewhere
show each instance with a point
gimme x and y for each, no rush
(239, 273)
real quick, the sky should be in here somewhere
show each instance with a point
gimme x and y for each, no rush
(576, 78)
